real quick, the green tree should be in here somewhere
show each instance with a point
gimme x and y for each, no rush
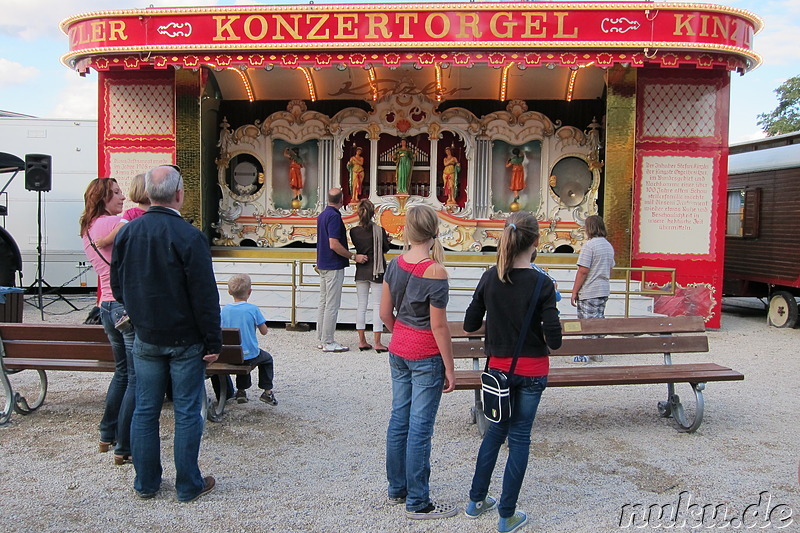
(786, 117)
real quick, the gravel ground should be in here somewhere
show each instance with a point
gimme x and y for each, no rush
(316, 461)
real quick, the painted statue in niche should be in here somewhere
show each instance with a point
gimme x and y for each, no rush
(450, 175)
(356, 169)
(516, 176)
(404, 162)
(295, 171)
(517, 164)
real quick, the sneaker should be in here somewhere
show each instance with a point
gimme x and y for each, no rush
(209, 484)
(396, 500)
(580, 359)
(269, 397)
(512, 523)
(596, 358)
(475, 509)
(145, 495)
(433, 511)
(335, 347)
(241, 396)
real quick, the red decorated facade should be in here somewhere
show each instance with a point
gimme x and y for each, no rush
(616, 108)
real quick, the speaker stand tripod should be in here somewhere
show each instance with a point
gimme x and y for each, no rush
(39, 281)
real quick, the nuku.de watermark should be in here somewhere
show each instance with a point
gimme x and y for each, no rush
(685, 514)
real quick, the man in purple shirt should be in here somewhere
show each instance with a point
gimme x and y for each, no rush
(332, 258)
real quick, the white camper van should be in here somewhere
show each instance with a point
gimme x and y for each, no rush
(72, 144)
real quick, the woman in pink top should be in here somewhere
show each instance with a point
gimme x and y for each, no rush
(103, 203)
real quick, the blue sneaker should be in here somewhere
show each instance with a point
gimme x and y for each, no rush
(512, 523)
(580, 359)
(475, 509)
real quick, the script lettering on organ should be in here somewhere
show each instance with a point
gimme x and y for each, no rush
(676, 205)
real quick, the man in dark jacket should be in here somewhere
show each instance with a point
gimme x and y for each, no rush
(161, 272)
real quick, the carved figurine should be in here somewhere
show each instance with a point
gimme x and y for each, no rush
(356, 168)
(404, 162)
(517, 172)
(295, 172)
(450, 175)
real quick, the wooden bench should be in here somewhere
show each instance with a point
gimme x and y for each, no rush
(629, 336)
(84, 349)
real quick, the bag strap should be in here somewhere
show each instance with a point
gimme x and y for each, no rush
(405, 286)
(526, 324)
(91, 241)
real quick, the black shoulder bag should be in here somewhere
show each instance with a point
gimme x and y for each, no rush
(495, 393)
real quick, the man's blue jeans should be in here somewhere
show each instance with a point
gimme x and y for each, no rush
(525, 395)
(154, 366)
(115, 426)
(416, 393)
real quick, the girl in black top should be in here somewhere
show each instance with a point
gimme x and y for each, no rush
(371, 240)
(504, 295)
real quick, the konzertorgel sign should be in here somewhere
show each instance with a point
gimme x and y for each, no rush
(452, 26)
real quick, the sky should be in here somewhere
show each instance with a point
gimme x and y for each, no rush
(34, 82)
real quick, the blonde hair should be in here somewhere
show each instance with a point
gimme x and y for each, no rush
(521, 231)
(137, 192)
(239, 286)
(422, 224)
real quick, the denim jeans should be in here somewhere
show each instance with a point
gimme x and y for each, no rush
(330, 299)
(525, 395)
(266, 372)
(121, 396)
(416, 393)
(154, 366)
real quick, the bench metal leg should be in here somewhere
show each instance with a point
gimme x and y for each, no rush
(476, 414)
(673, 407)
(21, 404)
(14, 400)
(8, 392)
(215, 409)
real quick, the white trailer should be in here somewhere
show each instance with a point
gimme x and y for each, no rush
(73, 147)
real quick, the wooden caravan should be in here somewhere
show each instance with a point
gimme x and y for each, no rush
(762, 257)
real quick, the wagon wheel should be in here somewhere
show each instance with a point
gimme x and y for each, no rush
(782, 312)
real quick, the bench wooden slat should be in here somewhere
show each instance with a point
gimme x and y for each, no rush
(605, 346)
(227, 368)
(609, 375)
(647, 325)
(650, 325)
(56, 333)
(87, 351)
(75, 365)
(633, 345)
(59, 350)
(82, 333)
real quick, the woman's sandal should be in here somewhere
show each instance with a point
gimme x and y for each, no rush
(365, 348)
(104, 446)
